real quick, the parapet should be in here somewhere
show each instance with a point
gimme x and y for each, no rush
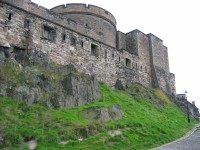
(18, 3)
(77, 8)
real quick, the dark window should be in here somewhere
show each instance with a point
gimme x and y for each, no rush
(27, 23)
(106, 54)
(128, 62)
(73, 41)
(64, 37)
(113, 56)
(49, 33)
(119, 59)
(9, 16)
(82, 44)
(95, 50)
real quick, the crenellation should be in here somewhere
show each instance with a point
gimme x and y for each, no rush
(86, 37)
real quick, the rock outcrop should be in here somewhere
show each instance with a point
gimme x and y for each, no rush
(34, 78)
(99, 113)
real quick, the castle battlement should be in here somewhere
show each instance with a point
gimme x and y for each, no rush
(85, 9)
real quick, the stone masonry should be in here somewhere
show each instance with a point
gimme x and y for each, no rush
(86, 37)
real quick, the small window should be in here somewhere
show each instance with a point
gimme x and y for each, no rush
(106, 54)
(128, 62)
(82, 44)
(49, 33)
(64, 37)
(27, 23)
(140, 68)
(95, 50)
(113, 55)
(73, 41)
(9, 16)
(119, 59)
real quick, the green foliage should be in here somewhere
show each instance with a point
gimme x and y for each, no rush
(146, 123)
(10, 71)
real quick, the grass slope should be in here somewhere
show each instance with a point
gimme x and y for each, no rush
(145, 124)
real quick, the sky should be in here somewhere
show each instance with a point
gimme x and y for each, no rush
(176, 22)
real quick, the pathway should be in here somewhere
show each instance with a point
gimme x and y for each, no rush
(189, 142)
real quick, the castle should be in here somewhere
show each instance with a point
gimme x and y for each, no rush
(86, 36)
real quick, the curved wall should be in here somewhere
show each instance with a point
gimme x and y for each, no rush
(92, 17)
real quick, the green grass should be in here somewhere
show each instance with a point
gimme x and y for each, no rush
(145, 124)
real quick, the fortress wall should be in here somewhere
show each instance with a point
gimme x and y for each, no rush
(166, 60)
(159, 61)
(91, 17)
(157, 51)
(85, 9)
(132, 73)
(18, 3)
(103, 28)
(172, 83)
(62, 52)
(132, 43)
(58, 19)
(144, 52)
(87, 54)
(12, 32)
(121, 40)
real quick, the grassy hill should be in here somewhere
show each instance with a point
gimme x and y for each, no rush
(149, 119)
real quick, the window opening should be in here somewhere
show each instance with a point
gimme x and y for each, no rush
(49, 33)
(128, 62)
(106, 54)
(82, 44)
(73, 41)
(27, 24)
(9, 16)
(95, 50)
(113, 56)
(63, 37)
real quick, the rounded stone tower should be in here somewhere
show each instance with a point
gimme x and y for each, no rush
(92, 17)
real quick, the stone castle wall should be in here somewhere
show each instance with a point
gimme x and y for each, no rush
(92, 17)
(68, 37)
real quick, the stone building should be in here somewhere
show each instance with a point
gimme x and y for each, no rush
(87, 37)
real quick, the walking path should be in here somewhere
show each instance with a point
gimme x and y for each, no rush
(189, 142)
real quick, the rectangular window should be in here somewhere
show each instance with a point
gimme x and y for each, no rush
(113, 55)
(128, 62)
(27, 23)
(49, 33)
(95, 50)
(82, 44)
(9, 16)
(64, 37)
(73, 41)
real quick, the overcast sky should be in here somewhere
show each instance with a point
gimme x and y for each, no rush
(176, 22)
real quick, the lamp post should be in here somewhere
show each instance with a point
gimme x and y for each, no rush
(188, 113)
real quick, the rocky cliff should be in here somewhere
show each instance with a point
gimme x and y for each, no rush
(31, 76)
